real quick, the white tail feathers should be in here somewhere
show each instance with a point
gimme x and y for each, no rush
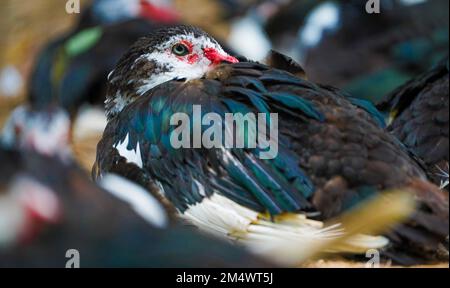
(373, 217)
(292, 239)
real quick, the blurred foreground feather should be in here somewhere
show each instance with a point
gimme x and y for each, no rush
(374, 217)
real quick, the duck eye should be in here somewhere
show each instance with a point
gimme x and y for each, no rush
(180, 50)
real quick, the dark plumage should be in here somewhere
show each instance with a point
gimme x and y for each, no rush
(419, 113)
(333, 150)
(286, 63)
(106, 231)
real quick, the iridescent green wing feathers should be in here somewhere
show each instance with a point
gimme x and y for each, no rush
(188, 175)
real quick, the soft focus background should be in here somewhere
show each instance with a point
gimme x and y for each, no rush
(26, 26)
(250, 27)
(335, 44)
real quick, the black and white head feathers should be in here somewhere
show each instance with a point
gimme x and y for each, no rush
(175, 53)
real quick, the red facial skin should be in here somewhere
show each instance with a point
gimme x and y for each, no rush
(158, 14)
(211, 54)
(193, 58)
(216, 58)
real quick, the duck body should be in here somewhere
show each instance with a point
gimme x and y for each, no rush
(333, 151)
(328, 138)
(419, 118)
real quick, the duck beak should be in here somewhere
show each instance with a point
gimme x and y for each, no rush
(217, 58)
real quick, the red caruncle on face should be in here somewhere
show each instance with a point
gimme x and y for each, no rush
(192, 57)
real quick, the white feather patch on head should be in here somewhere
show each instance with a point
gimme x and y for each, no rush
(142, 202)
(198, 43)
(119, 101)
(132, 156)
(178, 69)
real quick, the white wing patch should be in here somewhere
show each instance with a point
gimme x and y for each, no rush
(220, 216)
(289, 239)
(132, 156)
(143, 203)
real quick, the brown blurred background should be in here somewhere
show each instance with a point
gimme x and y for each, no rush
(27, 25)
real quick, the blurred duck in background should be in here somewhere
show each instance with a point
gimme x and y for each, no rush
(419, 117)
(103, 12)
(46, 131)
(250, 26)
(268, 24)
(72, 70)
(48, 207)
(369, 55)
(284, 25)
(340, 44)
